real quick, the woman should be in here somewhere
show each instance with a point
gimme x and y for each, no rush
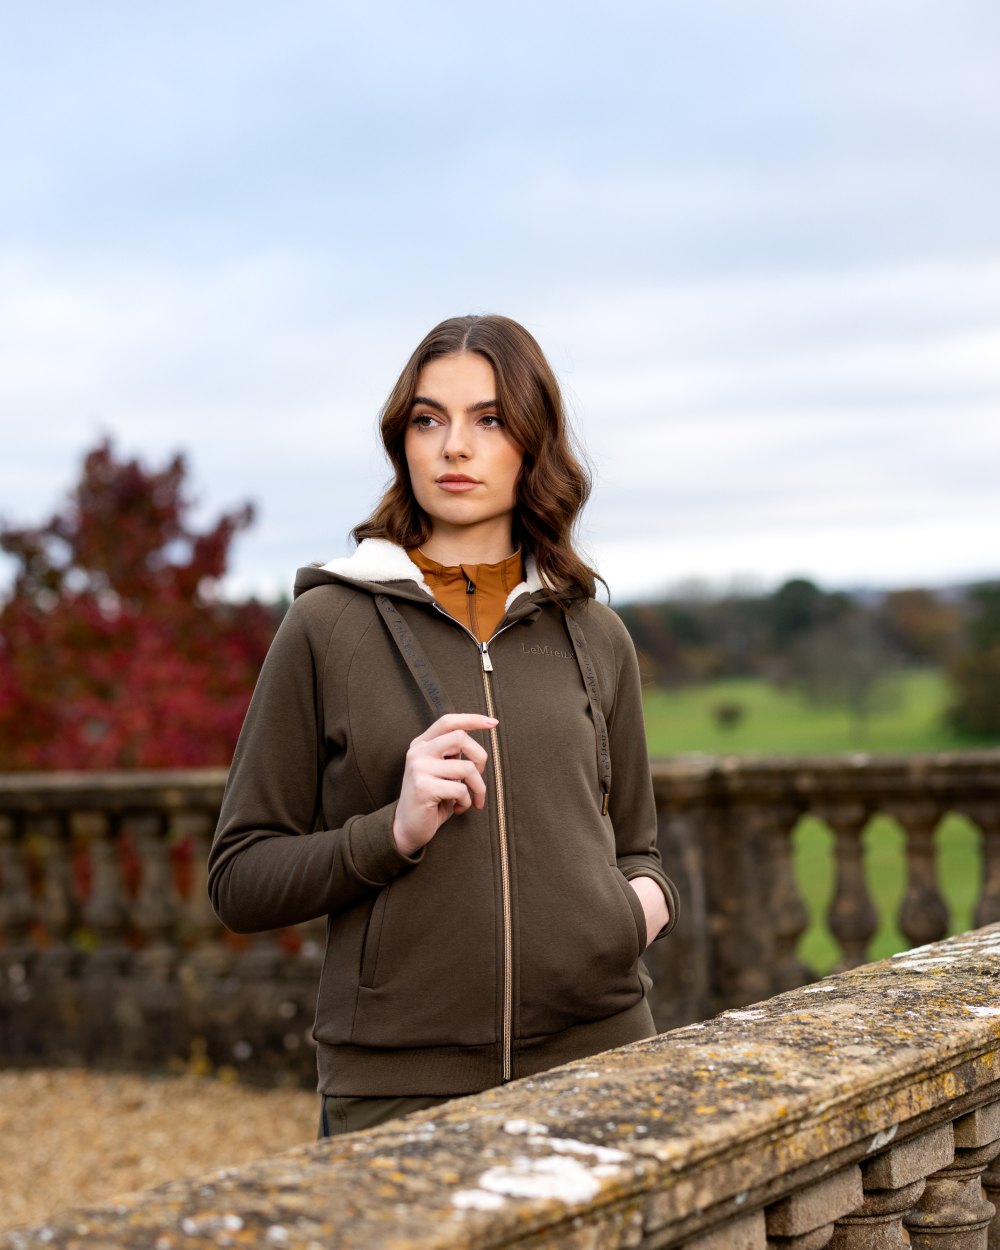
(445, 756)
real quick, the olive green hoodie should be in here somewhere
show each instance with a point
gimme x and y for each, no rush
(511, 942)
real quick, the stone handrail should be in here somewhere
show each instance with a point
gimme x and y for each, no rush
(837, 1114)
(103, 901)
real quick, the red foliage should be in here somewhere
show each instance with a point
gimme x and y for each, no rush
(115, 651)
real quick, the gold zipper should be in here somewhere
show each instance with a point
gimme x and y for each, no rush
(507, 1022)
(508, 935)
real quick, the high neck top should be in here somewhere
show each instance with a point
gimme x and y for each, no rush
(474, 594)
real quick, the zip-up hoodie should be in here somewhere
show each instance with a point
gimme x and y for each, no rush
(511, 942)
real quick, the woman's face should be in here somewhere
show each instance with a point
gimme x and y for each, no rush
(463, 463)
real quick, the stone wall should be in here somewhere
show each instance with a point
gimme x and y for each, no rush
(836, 1114)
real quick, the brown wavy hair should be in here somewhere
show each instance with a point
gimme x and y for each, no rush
(553, 484)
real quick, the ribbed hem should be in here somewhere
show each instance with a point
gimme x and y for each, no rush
(370, 1072)
(584, 1040)
(373, 1072)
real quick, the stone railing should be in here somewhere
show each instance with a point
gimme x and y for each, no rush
(836, 1115)
(726, 831)
(110, 953)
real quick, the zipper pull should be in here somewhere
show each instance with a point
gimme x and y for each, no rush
(470, 588)
(484, 648)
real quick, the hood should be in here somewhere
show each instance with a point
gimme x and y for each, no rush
(383, 567)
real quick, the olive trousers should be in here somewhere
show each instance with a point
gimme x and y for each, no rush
(339, 1114)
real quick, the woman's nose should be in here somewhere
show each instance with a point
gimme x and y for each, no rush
(456, 446)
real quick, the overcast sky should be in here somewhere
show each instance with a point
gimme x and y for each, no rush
(759, 241)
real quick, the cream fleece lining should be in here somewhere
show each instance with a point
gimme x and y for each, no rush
(378, 560)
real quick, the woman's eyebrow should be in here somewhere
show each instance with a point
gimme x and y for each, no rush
(430, 403)
(480, 406)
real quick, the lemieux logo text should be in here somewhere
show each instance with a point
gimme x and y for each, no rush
(553, 653)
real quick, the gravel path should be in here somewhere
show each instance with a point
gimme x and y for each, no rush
(69, 1138)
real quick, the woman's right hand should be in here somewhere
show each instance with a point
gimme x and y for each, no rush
(443, 776)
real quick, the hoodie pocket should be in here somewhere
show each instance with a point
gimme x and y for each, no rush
(635, 910)
(373, 938)
(424, 967)
(579, 946)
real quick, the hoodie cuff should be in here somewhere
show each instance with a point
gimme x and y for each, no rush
(374, 855)
(669, 893)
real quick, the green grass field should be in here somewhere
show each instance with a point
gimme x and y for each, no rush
(778, 722)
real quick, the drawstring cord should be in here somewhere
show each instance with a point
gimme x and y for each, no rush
(416, 661)
(593, 689)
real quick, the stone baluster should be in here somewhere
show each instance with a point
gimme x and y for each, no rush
(789, 916)
(805, 1219)
(986, 816)
(923, 916)
(202, 928)
(952, 1212)
(991, 1188)
(58, 909)
(18, 952)
(154, 911)
(212, 1004)
(893, 1183)
(58, 1005)
(852, 918)
(680, 968)
(104, 912)
(17, 910)
(739, 890)
(725, 859)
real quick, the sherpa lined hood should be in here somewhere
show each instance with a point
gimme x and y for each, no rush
(381, 566)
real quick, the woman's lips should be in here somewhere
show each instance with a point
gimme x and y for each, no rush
(456, 485)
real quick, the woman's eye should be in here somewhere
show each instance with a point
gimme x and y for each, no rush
(423, 421)
(492, 422)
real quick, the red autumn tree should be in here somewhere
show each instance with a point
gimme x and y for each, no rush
(116, 650)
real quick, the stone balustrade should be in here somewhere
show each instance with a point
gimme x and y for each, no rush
(726, 829)
(110, 953)
(855, 1113)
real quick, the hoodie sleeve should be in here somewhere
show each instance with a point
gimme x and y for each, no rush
(269, 866)
(632, 806)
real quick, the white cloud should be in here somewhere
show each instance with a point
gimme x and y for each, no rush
(766, 413)
(936, 552)
(761, 249)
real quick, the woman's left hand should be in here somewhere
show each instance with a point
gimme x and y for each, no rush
(654, 905)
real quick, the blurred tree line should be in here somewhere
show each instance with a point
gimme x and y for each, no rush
(836, 648)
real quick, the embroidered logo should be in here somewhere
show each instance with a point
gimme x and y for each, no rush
(553, 653)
